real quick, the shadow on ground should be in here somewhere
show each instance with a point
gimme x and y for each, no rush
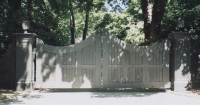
(14, 98)
(121, 94)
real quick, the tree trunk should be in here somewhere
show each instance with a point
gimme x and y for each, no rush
(144, 4)
(88, 7)
(152, 16)
(86, 25)
(14, 6)
(29, 8)
(72, 23)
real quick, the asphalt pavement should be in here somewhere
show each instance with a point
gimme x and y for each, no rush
(100, 98)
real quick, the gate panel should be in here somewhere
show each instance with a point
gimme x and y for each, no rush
(129, 66)
(75, 66)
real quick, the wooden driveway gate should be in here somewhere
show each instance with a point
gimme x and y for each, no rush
(102, 61)
(130, 66)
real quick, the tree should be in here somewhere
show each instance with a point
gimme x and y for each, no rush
(89, 4)
(72, 22)
(190, 13)
(153, 11)
(10, 17)
(86, 6)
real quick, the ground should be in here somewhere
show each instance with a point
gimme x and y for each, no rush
(99, 98)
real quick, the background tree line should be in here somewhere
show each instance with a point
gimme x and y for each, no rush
(65, 22)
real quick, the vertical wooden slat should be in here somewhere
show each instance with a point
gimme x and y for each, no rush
(155, 57)
(120, 74)
(161, 58)
(94, 74)
(90, 55)
(89, 52)
(152, 58)
(134, 74)
(66, 74)
(83, 58)
(118, 58)
(157, 74)
(73, 58)
(90, 73)
(112, 75)
(116, 74)
(131, 58)
(136, 58)
(109, 53)
(112, 54)
(68, 55)
(161, 76)
(69, 59)
(63, 74)
(115, 55)
(130, 75)
(66, 58)
(158, 57)
(87, 55)
(154, 74)
(137, 75)
(153, 71)
(70, 74)
(141, 74)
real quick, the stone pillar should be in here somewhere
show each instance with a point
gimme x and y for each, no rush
(24, 77)
(180, 60)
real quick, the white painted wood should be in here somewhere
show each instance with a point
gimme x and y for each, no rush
(129, 66)
(74, 66)
(123, 65)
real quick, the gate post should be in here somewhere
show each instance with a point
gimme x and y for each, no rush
(24, 74)
(180, 60)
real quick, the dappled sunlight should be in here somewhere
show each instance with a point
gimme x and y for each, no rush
(121, 94)
(128, 65)
(86, 82)
(68, 66)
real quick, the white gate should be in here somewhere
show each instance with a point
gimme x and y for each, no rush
(123, 65)
(130, 66)
(75, 66)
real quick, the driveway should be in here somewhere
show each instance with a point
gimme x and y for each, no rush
(100, 98)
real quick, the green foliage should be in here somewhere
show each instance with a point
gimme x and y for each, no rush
(189, 11)
(10, 22)
(50, 19)
(122, 25)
